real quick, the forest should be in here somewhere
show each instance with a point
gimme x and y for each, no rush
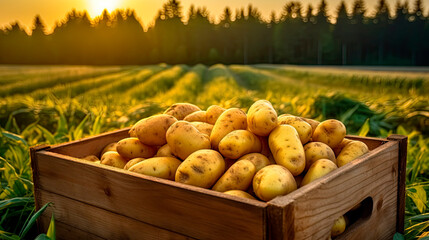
(298, 35)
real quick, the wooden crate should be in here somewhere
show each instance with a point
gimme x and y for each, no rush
(93, 201)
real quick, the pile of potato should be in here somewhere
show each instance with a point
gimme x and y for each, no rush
(254, 155)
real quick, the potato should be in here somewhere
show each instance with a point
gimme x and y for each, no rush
(230, 120)
(313, 123)
(272, 181)
(113, 159)
(133, 162)
(351, 151)
(238, 177)
(315, 151)
(340, 146)
(164, 151)
(239, 142)
(317, 170)
(330, 132)
(152, 130)
(130, 148)
(132, 131)
(202, 168)
(239, 193)
(198, 116)
(213, 112)
(287, 149)
(338, 227)
(162, 167)
(91, 158)
(259, 160)
(265, 149)
(184, 139)
(181, 110)
(302, 127)
(109, 147)
(203, 127)
(262, 118)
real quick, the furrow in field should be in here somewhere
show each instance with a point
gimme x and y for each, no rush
(76, 88)
(186, 88)
(31, 84)
(158, 83)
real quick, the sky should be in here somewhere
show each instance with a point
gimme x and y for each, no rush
(55, 10)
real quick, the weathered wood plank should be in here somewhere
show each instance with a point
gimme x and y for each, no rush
(65, 231)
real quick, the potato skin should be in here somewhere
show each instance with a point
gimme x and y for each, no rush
(213, 112)
(184, 139)
(133, 162)
(152, 130)
(303, 128)
(272, 181)
(164, 151)
(230, 120)
(238, 177)
(258, 159)
(239, 142)
(130, 148)
(203, 127)
(338, 227)
(340, 146)
(317, 150)
(198, 116)
(109, 147)
(202, 168)
(313, 123)
(113, 159)
(351, 151)
(261, 118)
(181, 110)
(317, 170)
(239, 193)
(91, 158)
(287, 149)
(330, 132)
(162, 167)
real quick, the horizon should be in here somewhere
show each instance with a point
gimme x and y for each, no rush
(24, 11)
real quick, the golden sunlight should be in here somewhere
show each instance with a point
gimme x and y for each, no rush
(96, 7)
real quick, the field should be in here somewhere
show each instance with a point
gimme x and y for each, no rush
(62, 103)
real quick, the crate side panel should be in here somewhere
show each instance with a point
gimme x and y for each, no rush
(100, 222)
(158, 202)
(67, 232)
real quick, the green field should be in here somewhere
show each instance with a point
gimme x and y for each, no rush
(53, 104)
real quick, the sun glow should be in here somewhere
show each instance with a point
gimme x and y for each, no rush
(96, 7)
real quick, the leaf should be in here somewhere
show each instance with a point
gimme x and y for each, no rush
(345, 116)
(8, 236)
(32, 220)
(14, 137)
(419, 198)
(364, 129)
(48, 135)
(51, 230)
(42, 237)
(398, 236)
(14, 202)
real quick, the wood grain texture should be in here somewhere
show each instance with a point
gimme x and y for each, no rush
(188, 210)
(402, 169)
(100, 222)
(309, 212)
(65, 231)
(371, 142)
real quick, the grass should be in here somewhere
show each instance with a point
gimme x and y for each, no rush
(64, 103)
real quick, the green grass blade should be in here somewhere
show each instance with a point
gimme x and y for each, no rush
(8, 236)
(43, 237)
(364, 129)
(14, 137)
(48, 135)
(51, 230)
(15, 202)
(32, 220)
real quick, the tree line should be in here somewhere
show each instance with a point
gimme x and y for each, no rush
(298, 35)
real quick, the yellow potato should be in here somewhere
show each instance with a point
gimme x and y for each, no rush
(198, 116)
(239, 193)
(133, 162)
(313, 123)
(317, 150)
(272, 181)
(338, 227)
(238, 177)
(259, 160)
(184, 139)
(130, 148)
(302, 127)
(203, 127)
(113, 159)
(330, 132)
(230, 120)
(202, 168)
(262, 118)
(340, 146)
(152, 130)
(164, 151)
(181, 110)
(239, 142)
(351, 151)
(287, 149)
(109, 147)
(132, 131)
(213, 112)
(317, 170)
(91, 158)
(162, 167)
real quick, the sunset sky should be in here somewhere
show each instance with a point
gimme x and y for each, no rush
(54, 10)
